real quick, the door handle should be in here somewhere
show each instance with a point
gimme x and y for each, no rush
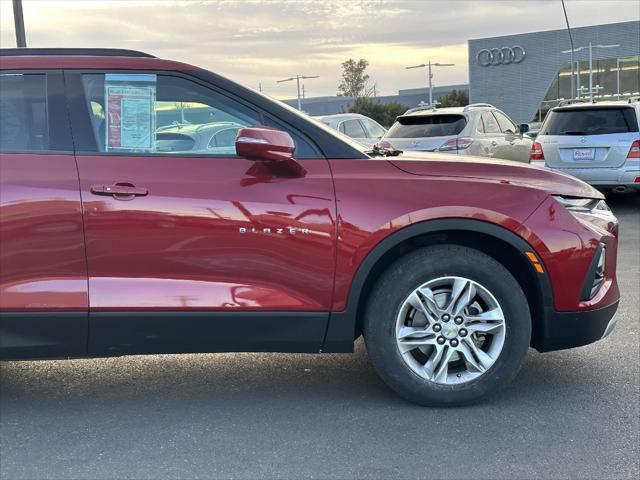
(494, 143)
(120, 190)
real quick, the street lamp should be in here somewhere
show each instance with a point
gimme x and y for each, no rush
(429, 65)
(297, 78)
(590, 47)
(18, 20)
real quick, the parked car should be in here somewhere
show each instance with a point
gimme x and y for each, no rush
(300, 240)
(218, 137)
(598, 143)
(363, 129)
(478, 129)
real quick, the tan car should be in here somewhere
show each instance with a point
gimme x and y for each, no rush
(479, 129)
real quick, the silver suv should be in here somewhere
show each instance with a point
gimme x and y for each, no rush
(478, 129)
(363, 129)
(597, 142)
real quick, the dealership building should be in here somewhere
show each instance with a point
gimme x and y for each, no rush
(527, 74)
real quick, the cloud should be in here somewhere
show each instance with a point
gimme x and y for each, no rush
(263, 41)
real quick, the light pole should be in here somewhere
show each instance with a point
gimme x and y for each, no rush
(18, 21)
(429, 65)
(591, 46)
(566, 17)
(297, 78)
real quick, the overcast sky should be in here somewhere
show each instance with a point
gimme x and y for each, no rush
(263, 41)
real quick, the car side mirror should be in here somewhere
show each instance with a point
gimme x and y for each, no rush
(264, 144)
(385, 149)
(523, 128)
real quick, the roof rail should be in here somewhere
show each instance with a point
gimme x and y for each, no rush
(420, 108)
(101, 52)
(634, 99)
(572, 101)
(477, 105)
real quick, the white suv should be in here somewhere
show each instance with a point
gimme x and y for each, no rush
(598, 143)
(478, 129)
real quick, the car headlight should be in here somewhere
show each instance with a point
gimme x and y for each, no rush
(588, 206)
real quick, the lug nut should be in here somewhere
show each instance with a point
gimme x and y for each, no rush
(446, 317)
(437, 327)
(463, 332)
(454, 343)
(440, 340)
(459, 320)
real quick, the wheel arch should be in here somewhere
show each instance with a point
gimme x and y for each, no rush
(502, 244)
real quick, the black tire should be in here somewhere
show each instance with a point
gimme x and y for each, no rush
(417, 268)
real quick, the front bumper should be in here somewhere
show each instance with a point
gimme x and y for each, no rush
(561, 330)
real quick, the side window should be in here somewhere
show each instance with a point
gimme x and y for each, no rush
(353, 128)
(373, 129)
(304, 149)
(490, 123)
(506, 125)
(23, 112)
(146, 113)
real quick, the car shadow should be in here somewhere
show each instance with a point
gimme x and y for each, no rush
(246, 380)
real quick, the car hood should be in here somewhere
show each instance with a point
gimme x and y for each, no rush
(500, 171)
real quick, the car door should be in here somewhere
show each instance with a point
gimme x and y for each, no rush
(517, 147)
(43, 273)
(196, 249)
(492, 138)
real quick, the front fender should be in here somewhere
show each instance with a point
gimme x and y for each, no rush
(342, 324)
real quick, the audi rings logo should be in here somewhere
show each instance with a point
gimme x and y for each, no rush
(500, 56)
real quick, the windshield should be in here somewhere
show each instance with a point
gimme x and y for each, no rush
(590, 121)
(421, 126)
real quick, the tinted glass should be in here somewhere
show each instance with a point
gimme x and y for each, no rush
(420, 126)
(373, 129)
(142, 113)
(490, 123)
(23, 113)
(353, 128)
(590, 121)
(506, 125)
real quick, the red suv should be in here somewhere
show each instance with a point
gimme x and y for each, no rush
(149, 206)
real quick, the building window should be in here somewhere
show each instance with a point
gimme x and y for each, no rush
(613, 79)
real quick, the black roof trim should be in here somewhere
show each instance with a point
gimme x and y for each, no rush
(90, 52)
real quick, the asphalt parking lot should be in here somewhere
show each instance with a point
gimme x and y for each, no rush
(569, 414)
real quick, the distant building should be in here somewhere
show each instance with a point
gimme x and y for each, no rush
(527, 74)
(411, 98)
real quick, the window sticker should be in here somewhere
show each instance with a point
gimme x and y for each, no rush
(131, 120)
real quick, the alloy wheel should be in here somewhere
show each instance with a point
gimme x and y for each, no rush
(450, 330)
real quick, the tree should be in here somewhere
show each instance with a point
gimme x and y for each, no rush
(355, 82)
(383, 113)
(455, 98)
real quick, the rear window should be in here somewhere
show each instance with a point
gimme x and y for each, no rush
(419, 126)
(590, 121)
